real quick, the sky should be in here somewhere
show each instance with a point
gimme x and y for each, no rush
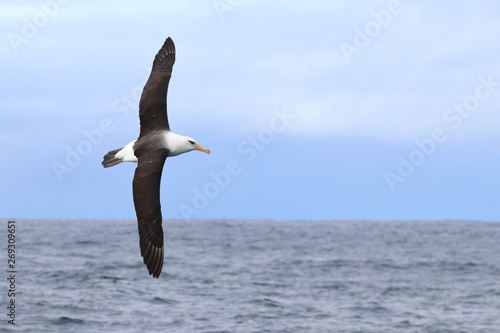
(320, 110)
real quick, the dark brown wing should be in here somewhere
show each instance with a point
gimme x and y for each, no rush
(146, 190)
(153, 104)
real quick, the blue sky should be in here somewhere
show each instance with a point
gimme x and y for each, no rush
(383, 110)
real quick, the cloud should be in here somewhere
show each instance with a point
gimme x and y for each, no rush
(244, 67)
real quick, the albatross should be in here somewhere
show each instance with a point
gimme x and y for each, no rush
(156, 142)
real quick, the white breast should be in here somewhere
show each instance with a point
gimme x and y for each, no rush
(177, 144)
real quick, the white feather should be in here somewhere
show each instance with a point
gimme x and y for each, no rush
(178, 144)
(127, 153)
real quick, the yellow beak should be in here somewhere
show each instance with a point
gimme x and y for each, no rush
(203, 149)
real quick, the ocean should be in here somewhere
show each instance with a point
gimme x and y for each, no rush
(256, 276)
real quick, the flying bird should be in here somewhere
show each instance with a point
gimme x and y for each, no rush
(156, 142)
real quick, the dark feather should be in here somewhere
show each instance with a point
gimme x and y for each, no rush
(153, 104)
(110, 160)
(146, 191)
(151, 157)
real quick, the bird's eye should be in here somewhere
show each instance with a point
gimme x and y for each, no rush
(191, 142)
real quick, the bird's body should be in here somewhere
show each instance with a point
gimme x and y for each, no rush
(175, 144)
(156, 142)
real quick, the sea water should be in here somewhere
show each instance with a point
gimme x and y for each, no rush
(257, 276)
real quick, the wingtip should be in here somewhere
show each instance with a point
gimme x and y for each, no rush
(153, 259)
(169, 46)
(165, 57)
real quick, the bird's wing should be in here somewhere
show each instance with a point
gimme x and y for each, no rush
(146, 190)
(153, 104)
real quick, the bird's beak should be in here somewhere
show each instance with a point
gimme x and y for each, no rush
(203, 149)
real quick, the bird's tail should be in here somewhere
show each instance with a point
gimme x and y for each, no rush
(110, 158)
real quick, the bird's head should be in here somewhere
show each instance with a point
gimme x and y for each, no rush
(180, 144)
(193, 145)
